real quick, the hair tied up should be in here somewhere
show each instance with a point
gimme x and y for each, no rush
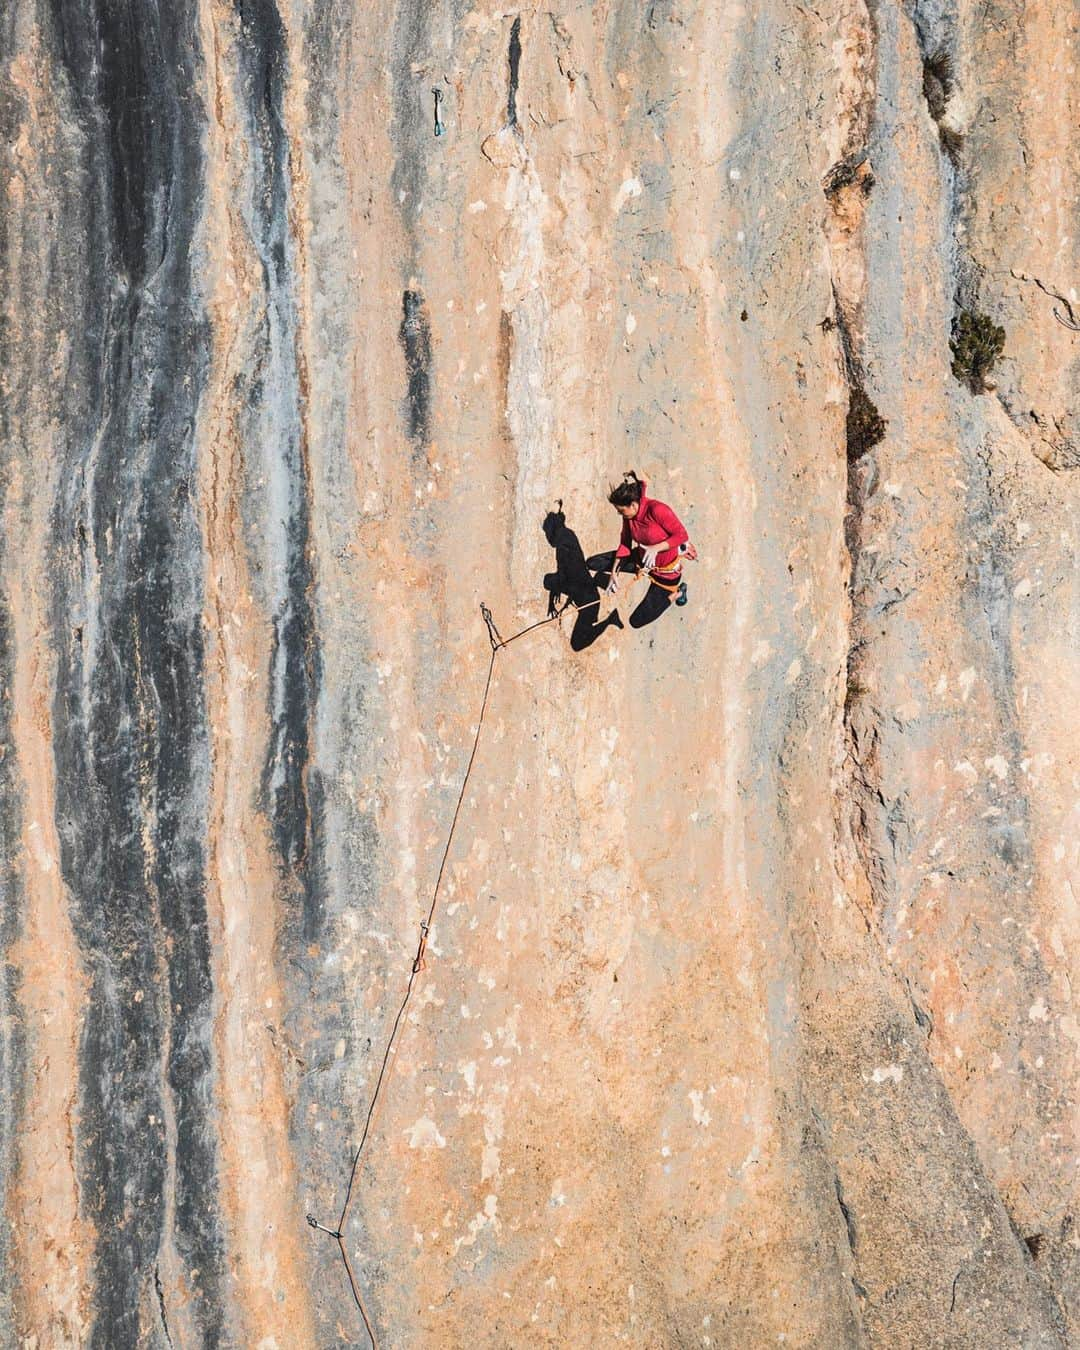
(628, 491)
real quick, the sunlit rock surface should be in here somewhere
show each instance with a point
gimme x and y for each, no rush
(747, 1016)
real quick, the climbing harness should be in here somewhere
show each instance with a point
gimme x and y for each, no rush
(667, 580)
(498, 644)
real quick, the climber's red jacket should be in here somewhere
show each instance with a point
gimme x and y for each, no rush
(654, 521)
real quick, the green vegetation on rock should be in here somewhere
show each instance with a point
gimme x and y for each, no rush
(976, 343)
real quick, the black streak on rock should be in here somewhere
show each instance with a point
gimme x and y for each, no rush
(849, 1222)
(131, 742)
(415, 337)
(411, 124)
(409, 181)
(116, 61)
(12, 1038)
(295, 671)
(514, 62)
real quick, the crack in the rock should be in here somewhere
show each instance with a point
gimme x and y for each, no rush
(161, 1303)
(514, 63)
(849, 1222)
(1071, 322)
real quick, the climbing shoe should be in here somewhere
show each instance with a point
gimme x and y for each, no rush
(681, 598)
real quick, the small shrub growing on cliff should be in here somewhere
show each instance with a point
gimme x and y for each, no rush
(854, 170)
(938, 84)
(976, 343)
(951, 140)
(865, 425)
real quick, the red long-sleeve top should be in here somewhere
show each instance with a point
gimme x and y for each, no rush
(654, 521)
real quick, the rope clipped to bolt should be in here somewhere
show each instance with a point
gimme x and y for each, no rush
(498, 643)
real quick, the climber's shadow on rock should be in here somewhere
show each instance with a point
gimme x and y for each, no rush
(573, 580)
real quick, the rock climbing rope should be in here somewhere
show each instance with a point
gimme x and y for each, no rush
(498, 644)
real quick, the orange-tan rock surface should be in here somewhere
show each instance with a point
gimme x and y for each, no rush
(747, 1014)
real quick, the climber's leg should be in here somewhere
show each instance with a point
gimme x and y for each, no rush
(655, 602)
(600, 565)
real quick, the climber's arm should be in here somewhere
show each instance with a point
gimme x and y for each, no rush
(623, 551)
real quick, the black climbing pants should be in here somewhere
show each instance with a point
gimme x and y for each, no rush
(655, 601)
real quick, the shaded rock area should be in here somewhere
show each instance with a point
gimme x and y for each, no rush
(747, 1015)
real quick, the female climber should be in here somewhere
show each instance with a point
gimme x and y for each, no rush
(653, 540)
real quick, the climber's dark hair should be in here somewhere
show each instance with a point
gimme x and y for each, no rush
(628, 491)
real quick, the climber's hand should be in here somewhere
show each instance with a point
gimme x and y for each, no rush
(649, 556)
(612, 588)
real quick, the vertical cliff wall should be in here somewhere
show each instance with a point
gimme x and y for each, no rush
(747, 1016)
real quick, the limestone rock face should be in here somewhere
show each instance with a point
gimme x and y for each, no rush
(747, 1014)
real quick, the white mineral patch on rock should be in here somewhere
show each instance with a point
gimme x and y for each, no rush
(424, 1133)
(701, 1115)
(628, 189)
